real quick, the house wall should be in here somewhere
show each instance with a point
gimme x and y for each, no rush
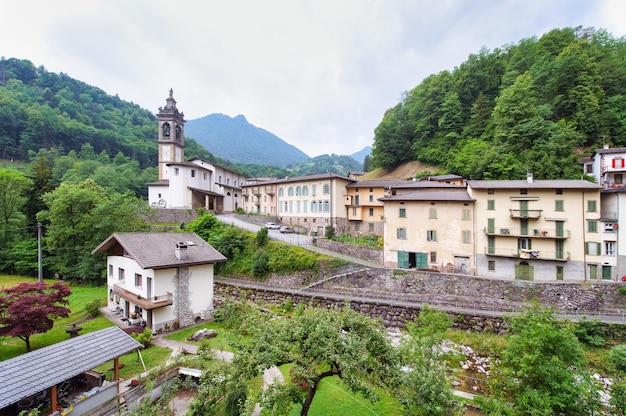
(360, 203)
(451, 220)
(541, 231)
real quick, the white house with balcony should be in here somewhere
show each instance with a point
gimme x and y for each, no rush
(608, 168)
(160, 278)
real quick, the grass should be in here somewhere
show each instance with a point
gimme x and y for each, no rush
(223, 342)
(153, 357)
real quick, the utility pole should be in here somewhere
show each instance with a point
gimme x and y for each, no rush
(39, 257)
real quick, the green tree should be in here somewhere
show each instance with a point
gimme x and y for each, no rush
(319, 343)
(80, 216)
(424, 387)
(541, 370)
(13, 188)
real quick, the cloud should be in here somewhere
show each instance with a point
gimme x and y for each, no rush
(318, 73)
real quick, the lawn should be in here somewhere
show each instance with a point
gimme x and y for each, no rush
(223, 342)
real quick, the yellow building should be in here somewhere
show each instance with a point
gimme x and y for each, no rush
(539, 230)
(430, 229)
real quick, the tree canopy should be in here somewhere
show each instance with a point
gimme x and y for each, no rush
(527, 106)
(29, 308)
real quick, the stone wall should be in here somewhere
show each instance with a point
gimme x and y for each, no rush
(176, 216)
(374, 255)
(391, 316)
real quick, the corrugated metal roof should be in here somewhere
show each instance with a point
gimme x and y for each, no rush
(158, 250)
(30, 373)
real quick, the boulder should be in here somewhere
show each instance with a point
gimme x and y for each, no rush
(204, 333)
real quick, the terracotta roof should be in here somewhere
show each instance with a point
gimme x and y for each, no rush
(158, 250)
(535, 184)
(459, 195)
(30, 373)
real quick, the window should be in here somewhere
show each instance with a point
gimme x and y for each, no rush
(432, 213)
(313, 206)
(370, 227)
(618, 162)
(491, 265)
(523, 191)
(298, 191)
(371, 189)
(431, 235)
(619, 179)
(313, 189)
(592, 226)
(281, 192)
(357, 226)
(402, 212)
(371, 212)
(305, 190)
(401, 233)
(466, 214)
(491, 245)
(433, 257)
(467, 237)
(491, 204)
(138, 279)
(326, 206)
(290, 206)
(559, 191)
(120, 274)
(609, 249)
(490, 191)
(326, 189)
(175, 171)
(525, 244)
(371, 198)
(592, 248)
(193, 173)
(591, 205)
(558, 205)
(290, 191)
(110, 270)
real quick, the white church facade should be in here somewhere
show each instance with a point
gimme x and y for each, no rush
(189, 184)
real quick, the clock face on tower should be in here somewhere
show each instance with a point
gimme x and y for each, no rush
(166, 153)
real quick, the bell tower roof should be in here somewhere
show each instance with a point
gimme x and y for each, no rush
(170, 108)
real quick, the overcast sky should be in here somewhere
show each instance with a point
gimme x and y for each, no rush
(319, 74)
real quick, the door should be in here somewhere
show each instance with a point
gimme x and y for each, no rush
(461, 265)
(149, 287)
(421, 260)
(523, 209)
(524, 271)
(403, 259)
(606, 272)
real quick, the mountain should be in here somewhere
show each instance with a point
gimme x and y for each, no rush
(360, 155)
(237, 140)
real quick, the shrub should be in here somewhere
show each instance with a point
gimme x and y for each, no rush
(617, 357)
(239, 211)
(288, 304)
(93, 307)
(592, 332)
(145, 337)
(262, 237)
(622, 290)
(329, 232)
(260, 266)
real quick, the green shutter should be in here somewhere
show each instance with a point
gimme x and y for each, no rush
(421, 260)
(403, 259)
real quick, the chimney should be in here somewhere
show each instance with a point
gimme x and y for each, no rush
(181, 251)
(529, 177)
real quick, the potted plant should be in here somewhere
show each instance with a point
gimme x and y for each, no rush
(133, 315)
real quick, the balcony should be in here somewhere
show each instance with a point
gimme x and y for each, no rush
(526, 213)
(256, 191)
(270, 190)
(548, 233)
(528, 254)
(155, 302)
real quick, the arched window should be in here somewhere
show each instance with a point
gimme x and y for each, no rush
(166, 129)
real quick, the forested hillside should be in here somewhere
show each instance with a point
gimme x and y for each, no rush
(536, 105)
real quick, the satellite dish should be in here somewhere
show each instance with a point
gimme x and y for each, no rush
(162, 203)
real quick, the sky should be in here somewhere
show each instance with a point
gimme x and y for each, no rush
(319, 74)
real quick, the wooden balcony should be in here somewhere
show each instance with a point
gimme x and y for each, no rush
(154, 302)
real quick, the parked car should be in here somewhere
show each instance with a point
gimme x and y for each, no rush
(285, 229)
(272, 226)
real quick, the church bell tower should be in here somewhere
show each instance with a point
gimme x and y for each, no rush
(171, 136)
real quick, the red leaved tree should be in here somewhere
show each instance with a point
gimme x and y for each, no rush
(29, 308)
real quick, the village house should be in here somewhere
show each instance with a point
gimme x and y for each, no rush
(431, 228)
(160, 279)
(309, 203)
(540, 230)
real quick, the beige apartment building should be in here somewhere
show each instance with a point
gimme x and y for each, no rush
(308, 203)
(539, 230)
(430, 229)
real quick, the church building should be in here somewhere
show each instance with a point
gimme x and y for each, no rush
(189, 184)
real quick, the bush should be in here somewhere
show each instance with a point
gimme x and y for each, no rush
(592, 332)
(93, 307)
(262, 237)
(622, 290)
(617, 357)
(329, 232)
(145, 337)
(260, 267)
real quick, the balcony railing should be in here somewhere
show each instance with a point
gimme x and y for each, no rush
(525, 213)
(528, 254)
(528, 232)
(155, 301)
